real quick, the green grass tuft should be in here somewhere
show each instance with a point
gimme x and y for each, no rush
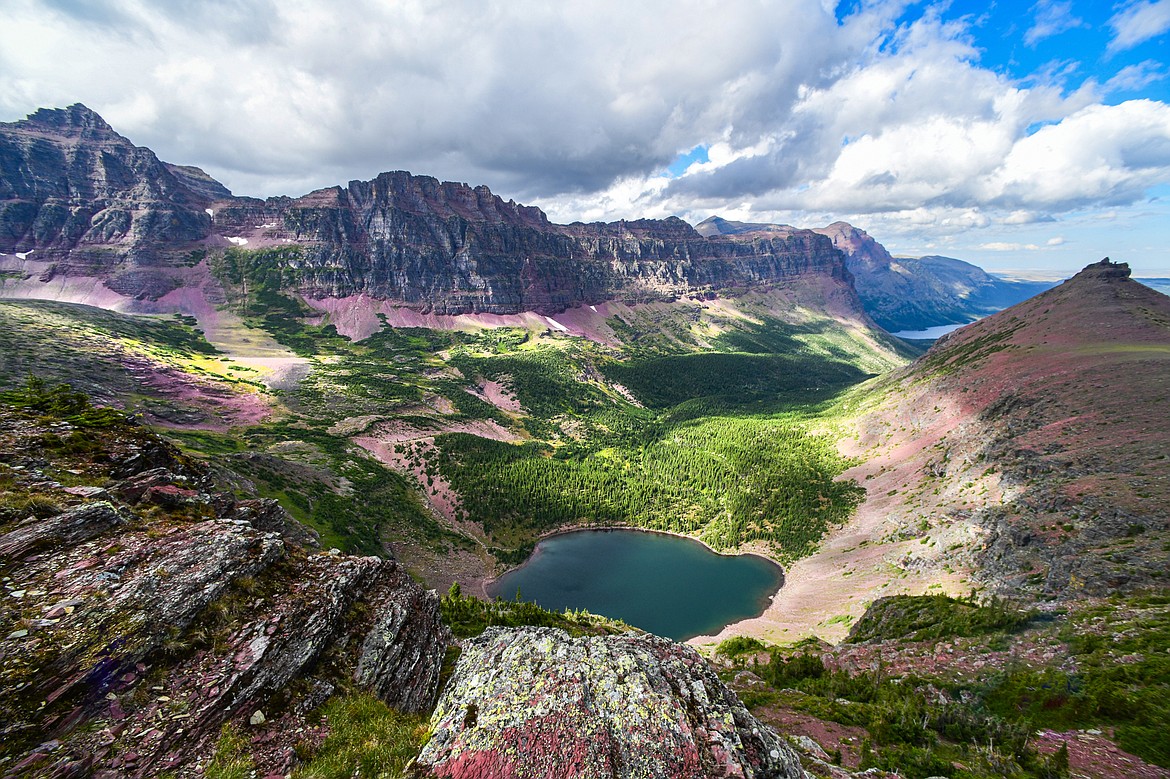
(366, 738)
(232, 758)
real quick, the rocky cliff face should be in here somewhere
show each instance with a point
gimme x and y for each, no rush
(143, 609)
(76, 194)
(903, 293)
(535, 702)
(907, 293)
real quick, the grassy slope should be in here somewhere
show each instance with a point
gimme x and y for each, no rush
(161, 366)
(578, 418)
(1043, 435)
(703, 423)
(937, 686)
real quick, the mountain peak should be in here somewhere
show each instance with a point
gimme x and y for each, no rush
(717, 225)
(73, 120)
(1105, 269)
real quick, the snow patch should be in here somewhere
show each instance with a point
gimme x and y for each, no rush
(24, 255)
(593, 309)
(210, 212)
(557, 324)
(238, 241)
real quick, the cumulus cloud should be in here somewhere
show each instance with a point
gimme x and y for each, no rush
(922, 125)
(1139, 22)
(536, 98)
(1098, 155)
(921, 128)
(888, 120)
(1023, 217)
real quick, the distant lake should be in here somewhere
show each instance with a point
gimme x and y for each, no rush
(929, 333)
(671, 586)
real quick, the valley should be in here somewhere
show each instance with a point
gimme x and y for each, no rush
(355, 400)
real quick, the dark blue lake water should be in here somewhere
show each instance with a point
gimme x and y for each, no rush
(670, 586)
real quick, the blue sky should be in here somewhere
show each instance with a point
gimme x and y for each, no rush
(1068, 41)
(1028, 136)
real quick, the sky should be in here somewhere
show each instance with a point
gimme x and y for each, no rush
(1029, 137)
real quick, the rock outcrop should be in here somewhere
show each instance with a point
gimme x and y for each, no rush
(145, 610)
(66, 529)
(536, 702)
(76, 198)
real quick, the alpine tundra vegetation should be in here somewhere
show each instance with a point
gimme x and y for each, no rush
(245, 444)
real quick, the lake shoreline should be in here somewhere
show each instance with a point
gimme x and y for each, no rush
(563, 531)
(680, 589)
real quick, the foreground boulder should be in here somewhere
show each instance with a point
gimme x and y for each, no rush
(535, 702)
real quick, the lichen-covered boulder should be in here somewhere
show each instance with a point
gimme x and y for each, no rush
(535, 702)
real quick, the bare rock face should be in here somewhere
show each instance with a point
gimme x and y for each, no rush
(398, 655)
(68, 528)
(77, 199)
(535, 702)
(72, 189)
(133, 628)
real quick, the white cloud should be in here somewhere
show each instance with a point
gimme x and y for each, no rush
(579, 106)
(1052, 17)
(1098, 155)
(923, 126)
(1000, 246)
(533, 98)
(1135, 77)
(1024, 217)
(1139, 22)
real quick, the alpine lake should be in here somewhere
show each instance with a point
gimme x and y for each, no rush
(663, 584)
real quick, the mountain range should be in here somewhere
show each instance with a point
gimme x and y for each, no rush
(79, 200)
(905, 293)
(245, 444)
(83, 201)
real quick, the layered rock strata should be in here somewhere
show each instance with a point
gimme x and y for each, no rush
(76, 199)
(143, 612)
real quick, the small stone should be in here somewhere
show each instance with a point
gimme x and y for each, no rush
(257, 718)
(18, 633)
